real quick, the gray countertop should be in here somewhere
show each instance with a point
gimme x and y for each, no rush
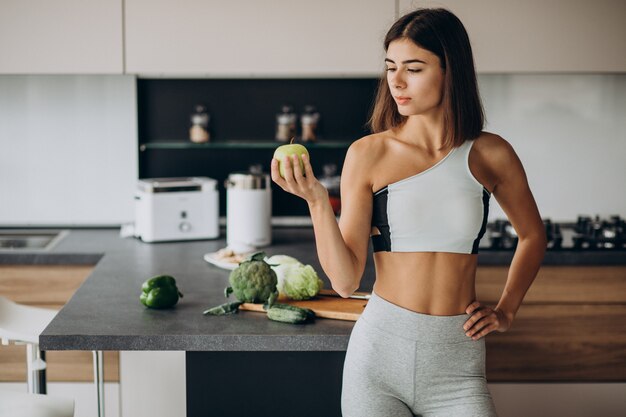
(105, 312)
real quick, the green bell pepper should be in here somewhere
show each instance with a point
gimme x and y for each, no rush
(160, 292)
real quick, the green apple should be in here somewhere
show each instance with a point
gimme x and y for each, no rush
(289, 150)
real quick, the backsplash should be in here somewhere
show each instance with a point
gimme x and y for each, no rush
(69, 145)
(68, 153)
(569, 131)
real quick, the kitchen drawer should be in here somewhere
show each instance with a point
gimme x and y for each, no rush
(63, 366)
(559, 284)
(49, 286)
(578, 342)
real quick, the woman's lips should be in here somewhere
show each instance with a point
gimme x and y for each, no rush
(402, 100)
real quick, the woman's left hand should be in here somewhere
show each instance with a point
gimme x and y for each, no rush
(485, 320)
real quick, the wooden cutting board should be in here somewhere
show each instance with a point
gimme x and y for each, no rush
(324, 305)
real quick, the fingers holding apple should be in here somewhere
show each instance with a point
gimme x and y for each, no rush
(292, 149)
(298, 168)
(308, 169)
(292, 171)
(275, 174)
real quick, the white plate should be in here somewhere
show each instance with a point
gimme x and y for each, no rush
(220, 263)
(212, 258)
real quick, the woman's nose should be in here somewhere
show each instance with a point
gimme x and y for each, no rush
(397, 81)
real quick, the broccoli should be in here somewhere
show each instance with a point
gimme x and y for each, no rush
(253, 281)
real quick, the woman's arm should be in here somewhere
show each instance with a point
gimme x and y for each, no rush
(341, 248)
(514, 196)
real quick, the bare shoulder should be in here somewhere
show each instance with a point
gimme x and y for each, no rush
(363, 154)
(493, 150)
(497, 157)
(368, 146)
(490, 145)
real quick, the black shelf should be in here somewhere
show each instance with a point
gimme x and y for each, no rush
(239, 144)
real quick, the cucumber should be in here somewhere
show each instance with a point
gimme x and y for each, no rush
(290, 314)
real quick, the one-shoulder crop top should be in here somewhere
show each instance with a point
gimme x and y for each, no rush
(441, 209)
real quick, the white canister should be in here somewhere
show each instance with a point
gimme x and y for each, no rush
(248, 211)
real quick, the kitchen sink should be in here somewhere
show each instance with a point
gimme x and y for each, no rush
(12, 240)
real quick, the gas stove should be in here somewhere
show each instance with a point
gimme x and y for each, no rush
(586, 234)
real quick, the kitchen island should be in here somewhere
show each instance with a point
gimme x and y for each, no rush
(226, 356)
(248, 353)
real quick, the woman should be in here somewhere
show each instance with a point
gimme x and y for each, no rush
(419, 187)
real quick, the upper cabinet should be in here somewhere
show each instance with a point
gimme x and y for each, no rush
(264, 38)
(61, 37)
(285, 38)
(539, 35)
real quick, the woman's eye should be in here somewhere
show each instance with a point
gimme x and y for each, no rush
(390, 69)
(414, 70)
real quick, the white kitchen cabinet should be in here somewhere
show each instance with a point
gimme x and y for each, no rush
(541, 36)
(61, 37)
(277, 38)
(152, 384)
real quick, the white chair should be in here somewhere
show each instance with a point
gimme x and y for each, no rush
(22, 404)
(22, 325)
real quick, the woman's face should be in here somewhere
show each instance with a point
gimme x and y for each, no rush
(414, 76)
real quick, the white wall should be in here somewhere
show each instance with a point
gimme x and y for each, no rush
(569, 131)
(68, 149)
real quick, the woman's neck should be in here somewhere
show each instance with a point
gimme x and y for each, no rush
(424, 131)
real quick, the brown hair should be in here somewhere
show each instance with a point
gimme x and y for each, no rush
(443, 34)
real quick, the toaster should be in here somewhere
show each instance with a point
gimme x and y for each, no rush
(169, 209)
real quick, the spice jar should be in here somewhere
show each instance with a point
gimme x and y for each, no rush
(199, 131)
(309, 120)
(285, 124)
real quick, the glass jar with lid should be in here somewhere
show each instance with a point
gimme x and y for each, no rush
(308, 121)
(285, 124)
(199, 130)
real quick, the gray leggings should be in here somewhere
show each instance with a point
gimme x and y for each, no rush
(400, 363)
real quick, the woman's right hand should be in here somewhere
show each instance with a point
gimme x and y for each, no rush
(304, 185)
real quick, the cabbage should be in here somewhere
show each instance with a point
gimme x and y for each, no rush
(295, 280)
(281, 259)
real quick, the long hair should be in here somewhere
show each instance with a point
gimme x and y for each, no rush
(442, 33)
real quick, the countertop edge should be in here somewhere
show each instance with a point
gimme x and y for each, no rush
(204, 343)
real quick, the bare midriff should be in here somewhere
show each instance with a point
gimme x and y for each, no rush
(434, 283)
